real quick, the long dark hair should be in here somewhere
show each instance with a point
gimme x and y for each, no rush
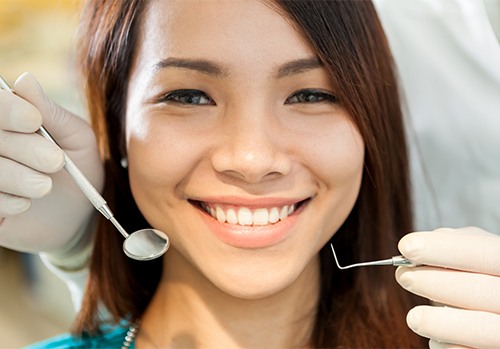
(358, 308)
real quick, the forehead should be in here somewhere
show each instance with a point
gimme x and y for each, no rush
(244, 32)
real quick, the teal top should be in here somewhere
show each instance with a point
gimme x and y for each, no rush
(111, 339)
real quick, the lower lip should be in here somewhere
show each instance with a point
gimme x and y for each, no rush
(252, 237)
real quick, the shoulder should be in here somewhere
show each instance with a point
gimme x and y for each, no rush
(112, 338)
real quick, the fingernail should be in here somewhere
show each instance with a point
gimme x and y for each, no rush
(26, 118)
(405, 279)
(414, 318)
(18, 205)
(410, 246)
(41, 184)
(50, 157)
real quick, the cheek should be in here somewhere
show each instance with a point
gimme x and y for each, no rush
(338, 166)
(160, 161)
(337, 157)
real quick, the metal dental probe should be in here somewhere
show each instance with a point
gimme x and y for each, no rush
(394, 261)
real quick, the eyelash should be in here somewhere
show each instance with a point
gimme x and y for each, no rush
(193, 97)
(186, 97)
(311, 96)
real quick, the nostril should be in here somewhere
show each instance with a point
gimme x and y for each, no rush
(251, 159)
(253, 173)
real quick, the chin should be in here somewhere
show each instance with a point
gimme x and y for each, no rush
(258, 282)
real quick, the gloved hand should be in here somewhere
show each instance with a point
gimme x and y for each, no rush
(41, 208)
(460, 272)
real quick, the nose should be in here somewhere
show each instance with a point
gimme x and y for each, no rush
(252, 148)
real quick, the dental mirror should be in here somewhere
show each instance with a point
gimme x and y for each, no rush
(146, 244)
(142, 245)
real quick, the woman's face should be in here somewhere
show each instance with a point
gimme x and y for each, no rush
(236, 145)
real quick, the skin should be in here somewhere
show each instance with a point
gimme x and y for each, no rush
(255, 143)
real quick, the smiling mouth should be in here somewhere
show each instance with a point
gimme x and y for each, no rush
(244, 216)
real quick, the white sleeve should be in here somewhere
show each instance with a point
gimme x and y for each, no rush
(447, 56)
(75, 280)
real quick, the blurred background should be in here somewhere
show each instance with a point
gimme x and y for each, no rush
(37, 36)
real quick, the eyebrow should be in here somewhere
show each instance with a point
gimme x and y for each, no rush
(200, 65)
(298, 66)
(212, 68)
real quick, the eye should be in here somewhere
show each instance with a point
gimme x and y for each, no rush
(188, 97)
(311, 96)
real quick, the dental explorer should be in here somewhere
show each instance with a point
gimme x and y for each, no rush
(394, 261)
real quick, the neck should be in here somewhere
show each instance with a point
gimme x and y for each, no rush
(188, 311)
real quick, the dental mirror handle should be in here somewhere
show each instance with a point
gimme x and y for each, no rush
(85, 186)
(78, 177)
(83, 183)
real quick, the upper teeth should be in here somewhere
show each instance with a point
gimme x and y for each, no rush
(246, 216)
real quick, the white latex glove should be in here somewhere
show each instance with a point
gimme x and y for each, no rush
(41, 208)
(461, 272)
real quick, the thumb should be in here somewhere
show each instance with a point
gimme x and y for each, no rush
(62, 125)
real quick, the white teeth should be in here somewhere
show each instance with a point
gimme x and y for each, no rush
(284, 212)
(245, 216)
(220, 215)
(231, 216)
(274, 215)
(261, 216)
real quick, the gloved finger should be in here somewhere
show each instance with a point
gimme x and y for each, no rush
(19, 180)
(437, 345)
(31, 150)
(469, 249)
(69, 131)
(452, 287)
(11, 205)
(18, 115)
(475, 329)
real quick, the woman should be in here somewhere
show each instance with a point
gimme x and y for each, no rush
(237, 108)
(255, 133)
